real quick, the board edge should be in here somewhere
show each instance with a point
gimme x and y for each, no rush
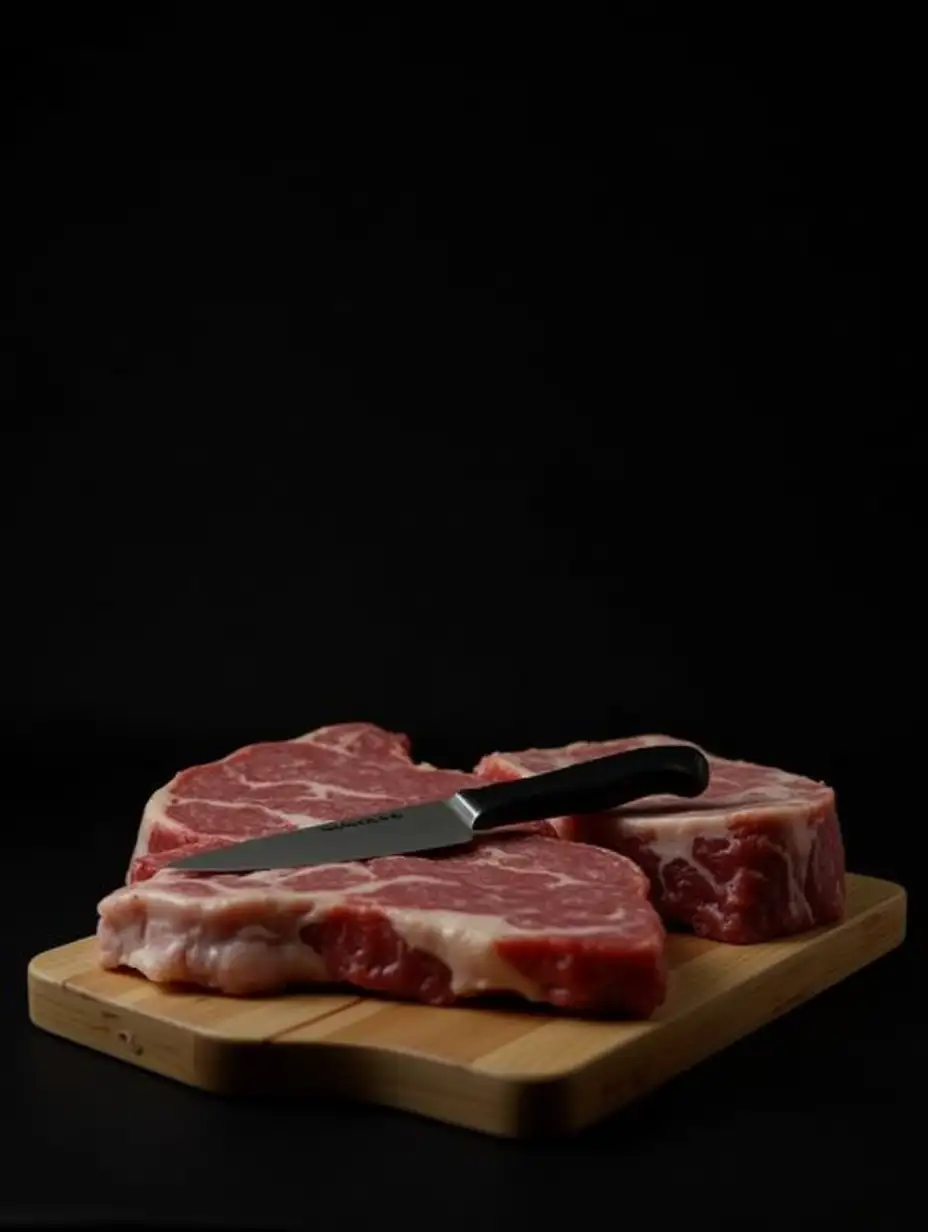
(891, 913)
(524, 1106)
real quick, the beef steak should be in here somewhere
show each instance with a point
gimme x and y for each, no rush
(331, 773)
(759, 855)
(521, 913)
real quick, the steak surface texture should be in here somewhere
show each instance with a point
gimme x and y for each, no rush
(758, 855)
(520, 913)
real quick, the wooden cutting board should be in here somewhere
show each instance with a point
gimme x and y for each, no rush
(512, 1073)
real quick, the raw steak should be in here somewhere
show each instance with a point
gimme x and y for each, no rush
(759, 855)
(253, 792)
(520, 913)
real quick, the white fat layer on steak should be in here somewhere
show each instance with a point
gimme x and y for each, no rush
(255, 955)
(466, 946)
(674, 839)
(671, 848)
(247, 961)
(170, 940)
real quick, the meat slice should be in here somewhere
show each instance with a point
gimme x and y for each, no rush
(266, 788)
(759, 855)
(520, 913)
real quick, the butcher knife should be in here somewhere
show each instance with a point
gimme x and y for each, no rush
(586, 787)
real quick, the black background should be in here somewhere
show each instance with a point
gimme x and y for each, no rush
(505, 388)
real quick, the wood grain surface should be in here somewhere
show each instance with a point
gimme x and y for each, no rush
(512, 1073)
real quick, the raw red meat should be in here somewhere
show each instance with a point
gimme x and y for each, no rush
(266, 788)
(759, 855)
(521, 913)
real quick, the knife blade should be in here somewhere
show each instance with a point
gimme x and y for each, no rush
(588, 787)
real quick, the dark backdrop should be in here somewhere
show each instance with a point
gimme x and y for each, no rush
(505, 393)
(503, 388)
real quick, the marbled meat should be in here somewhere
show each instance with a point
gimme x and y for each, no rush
(758, 855)
(521, 913)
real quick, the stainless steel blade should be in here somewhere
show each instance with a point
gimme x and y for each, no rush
(423, 827)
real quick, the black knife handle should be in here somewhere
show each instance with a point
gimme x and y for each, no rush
(591, 786)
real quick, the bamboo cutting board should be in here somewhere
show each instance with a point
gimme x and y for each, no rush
(514, 1074)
